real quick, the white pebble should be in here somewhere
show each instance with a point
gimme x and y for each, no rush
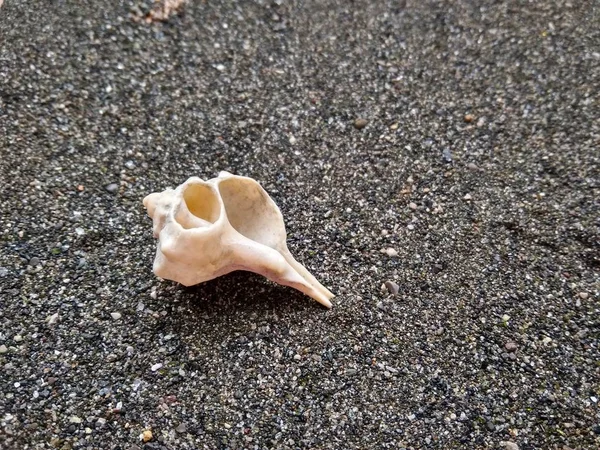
(115, 315)
(391, 252)
(51, 320)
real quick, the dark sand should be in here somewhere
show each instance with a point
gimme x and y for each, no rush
(479, 165)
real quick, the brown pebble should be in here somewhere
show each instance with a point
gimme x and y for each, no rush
(360, 123)
(469, 118)
(511, 346)
(392, 287)
(147, 435)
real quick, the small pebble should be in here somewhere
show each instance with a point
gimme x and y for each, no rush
(18, 338)
(472, 166)
(583, 295)
(155, 367)
(412, 205)
(115, 315)
(467, 197)
(146, 436)
(469, 118)
(511, 346)
(3, 348)
(181, 428)
(112, 187)
(297, 357)
(447, 155)
(391, 252)
(392, 287)
(51, 320)
(360, 123)
(34, 261)
(509, 445)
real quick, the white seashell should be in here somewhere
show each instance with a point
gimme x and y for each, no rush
(206, 229)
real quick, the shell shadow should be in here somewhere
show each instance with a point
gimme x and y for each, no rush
(245, 292)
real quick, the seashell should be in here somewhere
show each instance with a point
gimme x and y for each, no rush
(206, 229)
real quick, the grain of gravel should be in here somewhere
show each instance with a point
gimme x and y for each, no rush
(472, 182)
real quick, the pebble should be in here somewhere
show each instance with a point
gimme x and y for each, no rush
(360, 123)
(130, 165)
(112, 187)
(391, 252)
(410, 227)
(511, 346)
(35, 261)
(472, 166)
(392, 287)
(583, 295)
(297, 357)
(3, 348)
(181, 428)
(467, 197)
(509, 445)
(469, 118)
(18, 338)
(447, 155)
(412, 205)
(155, 367)
(115, 315)
(146, 435)
(51, 320)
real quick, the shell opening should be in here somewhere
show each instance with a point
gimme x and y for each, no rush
(202, 202)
